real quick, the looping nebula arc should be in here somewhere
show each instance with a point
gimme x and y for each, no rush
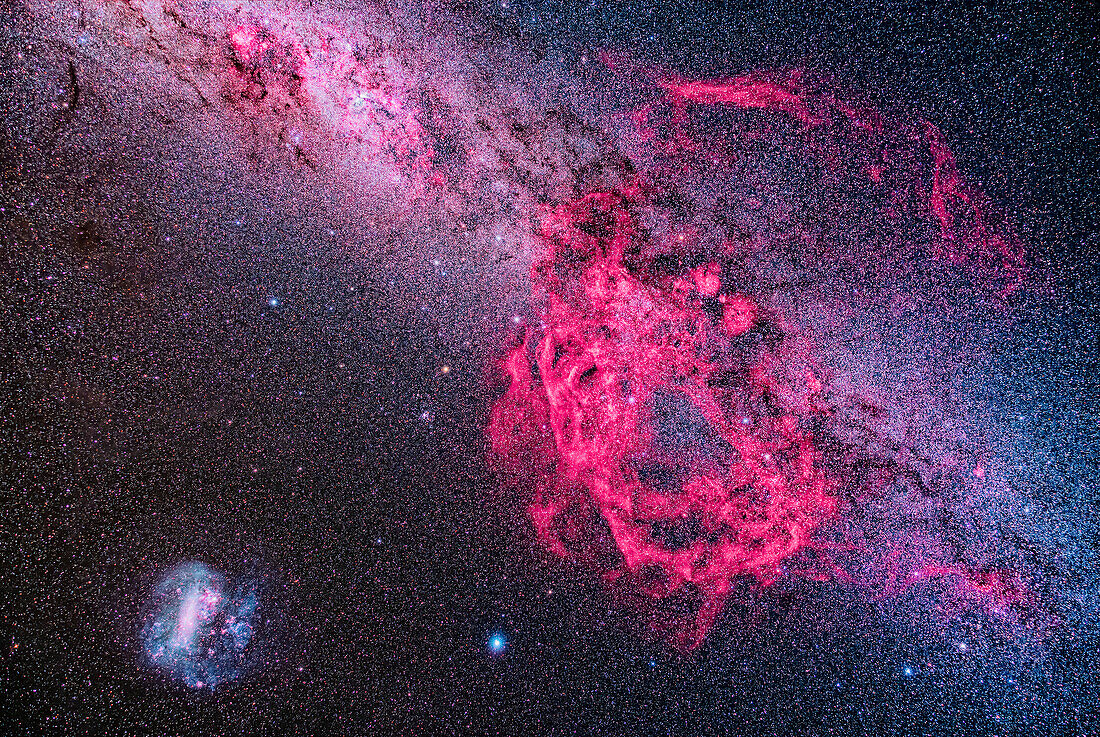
(674, 447)
(665, 423)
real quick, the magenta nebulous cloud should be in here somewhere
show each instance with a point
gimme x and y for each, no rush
(837, 250)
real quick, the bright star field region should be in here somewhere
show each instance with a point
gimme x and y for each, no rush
(548, 368)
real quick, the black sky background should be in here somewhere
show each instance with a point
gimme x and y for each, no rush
(157, 408)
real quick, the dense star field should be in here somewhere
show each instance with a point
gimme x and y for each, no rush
(548, 368)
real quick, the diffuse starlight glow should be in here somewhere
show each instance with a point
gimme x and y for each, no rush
(667, 422)
(198, 628)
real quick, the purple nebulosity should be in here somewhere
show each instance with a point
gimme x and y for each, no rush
(766, 213)
(737, 334)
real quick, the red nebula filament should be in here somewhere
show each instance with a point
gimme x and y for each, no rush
(657, 420)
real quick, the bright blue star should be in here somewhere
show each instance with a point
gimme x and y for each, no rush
(497, 643)
(273, 301)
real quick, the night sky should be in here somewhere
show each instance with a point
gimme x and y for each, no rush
(279, 452)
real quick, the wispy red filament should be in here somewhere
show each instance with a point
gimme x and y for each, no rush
(663, 442)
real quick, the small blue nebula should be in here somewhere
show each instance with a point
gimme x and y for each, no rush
(198, 628)
(497, 643)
